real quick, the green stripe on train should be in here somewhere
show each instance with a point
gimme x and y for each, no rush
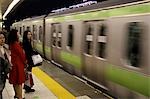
(71, 59)
(38, 47)
(130, 10)
(47, 50)
(130, 79)
(102, 14)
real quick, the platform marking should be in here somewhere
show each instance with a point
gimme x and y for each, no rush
(52, 85)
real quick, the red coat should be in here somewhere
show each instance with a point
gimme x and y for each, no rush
(17, 73)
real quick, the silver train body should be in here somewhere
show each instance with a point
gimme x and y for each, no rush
(107, 46)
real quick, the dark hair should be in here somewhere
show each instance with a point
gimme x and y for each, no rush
(1, 32)
(25, 38)
(12, 37)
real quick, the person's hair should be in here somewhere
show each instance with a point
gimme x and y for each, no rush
(13, 36)
(25, 38)
(1, 32)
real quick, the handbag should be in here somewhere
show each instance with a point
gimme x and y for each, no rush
(37, 60)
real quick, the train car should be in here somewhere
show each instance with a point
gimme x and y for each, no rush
(107, 45)
(35, 25)
(18, 26)
(65, 43)
(21, 26)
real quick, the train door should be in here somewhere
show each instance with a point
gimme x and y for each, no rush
(47, 40)
(100, 51)
(56, 42)
(34, 35)
(40, 39)
(94, 51)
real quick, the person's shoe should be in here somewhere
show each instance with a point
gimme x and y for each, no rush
(15, 97)
(32, 90)
(29, 90)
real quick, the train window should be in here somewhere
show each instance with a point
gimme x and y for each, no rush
(89, 31)
(20, 31)
(102, 30)
(59, 35)
(23, 29)
(28, 28)
(34, 32)
(53, 35)
(133, 44)
(101, 43)
(40, 33)
(89, 40)
(101, 50)
(70, 36)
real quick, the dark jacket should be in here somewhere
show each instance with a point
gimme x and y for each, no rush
(4, 66)
(4, 69)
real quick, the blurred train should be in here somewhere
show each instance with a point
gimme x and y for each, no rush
(107, 44)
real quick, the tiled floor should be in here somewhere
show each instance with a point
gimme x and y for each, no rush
(42, 92)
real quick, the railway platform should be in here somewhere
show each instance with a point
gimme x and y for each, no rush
(52, 82)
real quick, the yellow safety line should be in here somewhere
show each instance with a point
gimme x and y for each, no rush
(52, 85)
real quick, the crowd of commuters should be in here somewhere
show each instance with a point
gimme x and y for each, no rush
(16, 62)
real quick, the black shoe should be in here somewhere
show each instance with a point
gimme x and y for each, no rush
(15, 97)
(26, 87)
(29, 90)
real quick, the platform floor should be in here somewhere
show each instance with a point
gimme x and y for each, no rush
(42, 92)
(52, 82)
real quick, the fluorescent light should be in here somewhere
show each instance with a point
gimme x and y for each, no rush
(0, 14)
(14, 2)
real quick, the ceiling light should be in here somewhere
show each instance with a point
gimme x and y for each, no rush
(14, 2)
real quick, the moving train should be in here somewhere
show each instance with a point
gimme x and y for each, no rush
(106, 44)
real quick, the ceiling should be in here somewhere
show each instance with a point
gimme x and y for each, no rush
(3, 6)
(29, 8)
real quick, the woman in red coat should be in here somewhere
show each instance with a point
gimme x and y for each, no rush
(17, 74)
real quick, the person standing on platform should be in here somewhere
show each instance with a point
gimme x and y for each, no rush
(27, 46)
(4, 62)
(18, 60)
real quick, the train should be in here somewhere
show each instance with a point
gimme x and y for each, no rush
(106, 44)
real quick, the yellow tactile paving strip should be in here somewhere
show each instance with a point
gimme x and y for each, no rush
(52, 85)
